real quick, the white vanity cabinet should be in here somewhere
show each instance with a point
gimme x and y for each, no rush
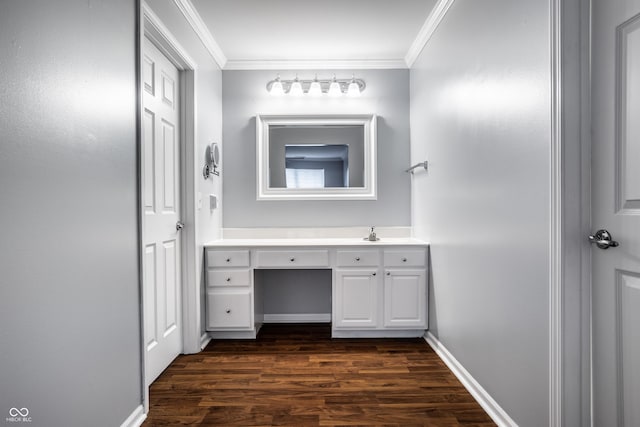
(378, 289)
(230, 295)
(405, 288)
(355, 299)
(404, 299)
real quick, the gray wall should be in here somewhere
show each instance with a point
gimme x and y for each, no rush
(208, 79)
(69, 291)
(244, 95)
(296, 291)
(480, 114)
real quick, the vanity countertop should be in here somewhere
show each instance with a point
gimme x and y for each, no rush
(333, 242)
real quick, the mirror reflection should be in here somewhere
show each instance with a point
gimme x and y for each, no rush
(316, 166)
(316, 156)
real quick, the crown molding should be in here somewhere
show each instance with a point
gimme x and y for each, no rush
(200, 28)
(428, 28)
(315, 64)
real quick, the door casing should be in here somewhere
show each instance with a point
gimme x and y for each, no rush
(152, 27)
(570, 258)
(570, 219)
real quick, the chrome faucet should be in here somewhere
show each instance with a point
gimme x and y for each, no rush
(372, 235)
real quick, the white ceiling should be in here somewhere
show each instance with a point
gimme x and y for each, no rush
(281, 32)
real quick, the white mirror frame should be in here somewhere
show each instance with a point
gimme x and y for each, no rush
(264, 192)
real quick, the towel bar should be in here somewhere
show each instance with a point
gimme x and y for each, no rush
(417, 165)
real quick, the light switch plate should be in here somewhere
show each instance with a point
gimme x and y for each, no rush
(199, 200)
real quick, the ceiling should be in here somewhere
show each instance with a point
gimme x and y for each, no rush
(283, 33)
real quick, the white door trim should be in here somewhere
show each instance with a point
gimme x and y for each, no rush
(153, 28)
(570, 265)
(555, 220)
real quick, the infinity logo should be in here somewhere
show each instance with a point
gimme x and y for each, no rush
(14, 412)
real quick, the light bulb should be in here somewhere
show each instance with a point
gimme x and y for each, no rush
(276, 88)
(315, 89)
(334, 88)
(296, 88)
(354, 89)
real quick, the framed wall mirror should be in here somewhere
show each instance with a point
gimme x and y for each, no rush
(320, 157)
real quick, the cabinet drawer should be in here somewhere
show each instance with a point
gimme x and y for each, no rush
(224, 258)
(357, 258)
(229, 310)
(405, 258)
(292, 258)
(228, 278)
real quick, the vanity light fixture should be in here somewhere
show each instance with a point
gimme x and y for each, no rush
(333, 87)
(354, 88)
(314, 88)
(295, 87)
(276, 87)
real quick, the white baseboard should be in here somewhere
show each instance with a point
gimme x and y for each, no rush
(136, 418)
(204, 340)
(491, 407)
(298, 318)
(234, 335)
(409, 333)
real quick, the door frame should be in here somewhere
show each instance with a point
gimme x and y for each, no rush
(570, 380)
(153, 28)
(570, 266)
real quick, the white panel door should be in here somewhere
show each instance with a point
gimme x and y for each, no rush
(616, 208)
(405, 299)
(356, 299)
(161, 194)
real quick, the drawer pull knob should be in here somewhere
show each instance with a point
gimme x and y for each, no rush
(228, 279)
(388, 273)
(373, 274)
(292, 259)
(357, 258)
(228, 259)
(404, 260)
(228, 311)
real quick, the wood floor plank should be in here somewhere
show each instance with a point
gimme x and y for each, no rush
(296, 375)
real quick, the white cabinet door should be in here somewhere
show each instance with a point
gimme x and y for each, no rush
(356, 299)
(405, 299)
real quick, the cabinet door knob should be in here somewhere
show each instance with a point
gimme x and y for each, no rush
(357, 258)
(228, 311)
(228, 260)
(374, 274)
(404, 260)
(388, 273)
(292, 259)
(228, 279)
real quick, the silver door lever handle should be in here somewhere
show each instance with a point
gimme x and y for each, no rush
(603, 240)
(179, 225)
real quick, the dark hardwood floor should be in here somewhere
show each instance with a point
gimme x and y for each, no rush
(296, 375)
